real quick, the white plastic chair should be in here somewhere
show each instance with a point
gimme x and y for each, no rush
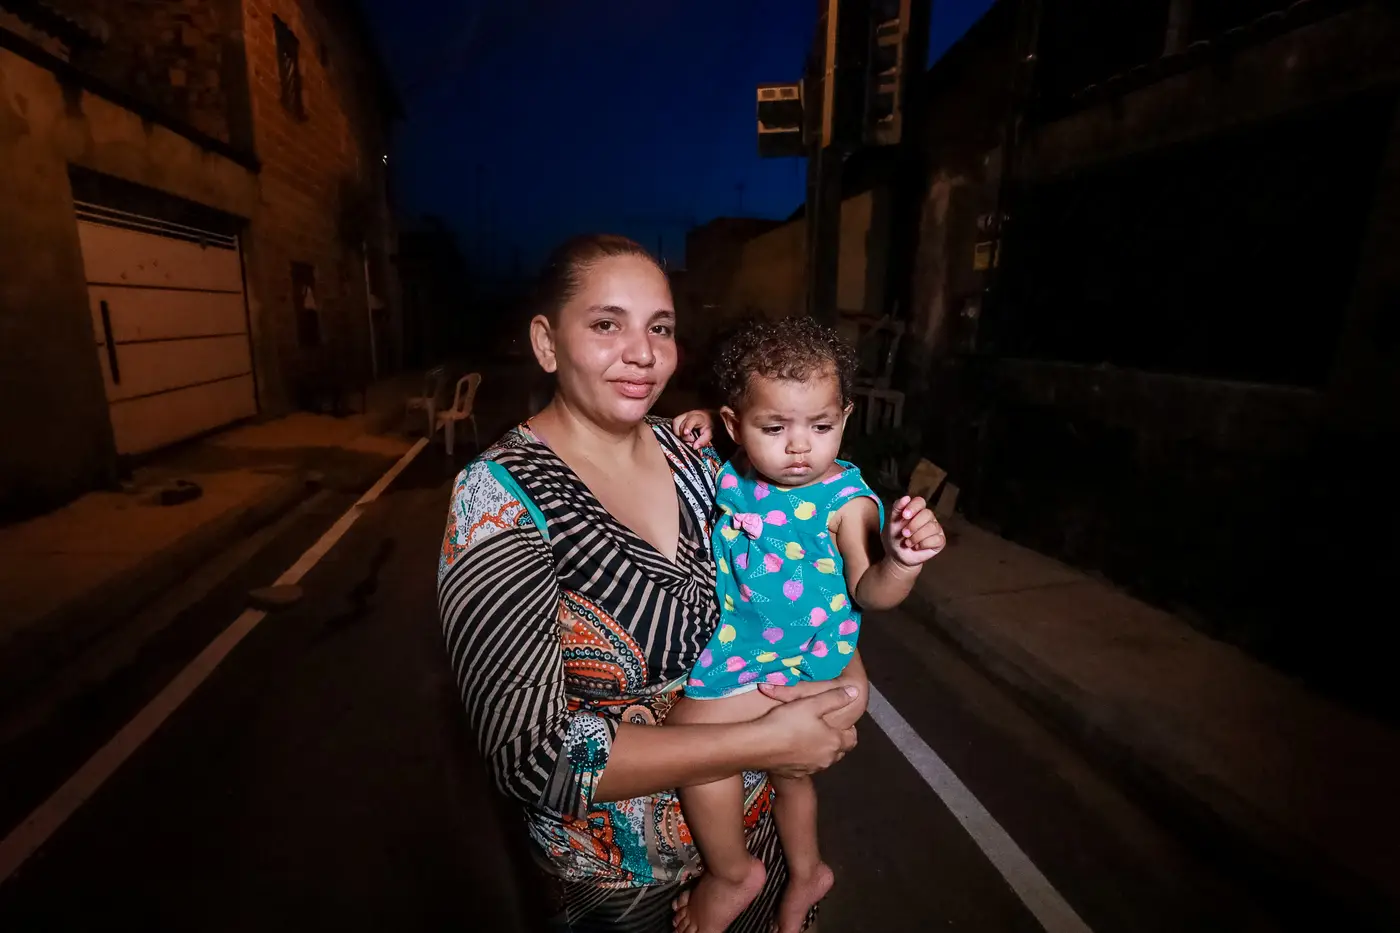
(433, 381)
(461, 410)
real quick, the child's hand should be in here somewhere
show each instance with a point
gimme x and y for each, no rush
(696, 428)
(912, 534)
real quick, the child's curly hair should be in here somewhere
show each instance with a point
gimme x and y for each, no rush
(789, 348)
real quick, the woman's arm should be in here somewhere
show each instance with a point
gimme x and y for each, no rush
(499, 600)
(846, 717)
(794, 739)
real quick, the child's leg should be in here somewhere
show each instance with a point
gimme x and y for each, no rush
(733, 877)
(809, 878)
(715, 815)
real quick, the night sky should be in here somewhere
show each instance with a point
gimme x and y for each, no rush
(626, 116)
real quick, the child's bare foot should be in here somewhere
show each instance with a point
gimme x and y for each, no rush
(714, 903)
(803, 891)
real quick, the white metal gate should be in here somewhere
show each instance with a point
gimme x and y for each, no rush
(171, 324)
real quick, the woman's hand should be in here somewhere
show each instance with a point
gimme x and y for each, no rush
(844, 718)
(696, 428)
(799, 738)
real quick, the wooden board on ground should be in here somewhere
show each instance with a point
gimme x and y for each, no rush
(926, 479)
(947, 502)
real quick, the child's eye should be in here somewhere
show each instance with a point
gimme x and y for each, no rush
(772, 430)
(605, 327)
(821, 428)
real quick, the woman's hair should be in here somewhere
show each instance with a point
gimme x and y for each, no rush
(562, 275)
(795, 348)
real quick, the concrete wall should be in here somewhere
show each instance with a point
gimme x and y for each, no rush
(712, 253)
(1188, 489)
(54, 424)
(965, 99)
(320, 196)
(1305, 67)
(769, 277)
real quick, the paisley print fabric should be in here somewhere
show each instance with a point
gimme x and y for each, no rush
(560, 625)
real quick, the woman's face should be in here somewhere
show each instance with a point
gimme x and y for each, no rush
(613, 346)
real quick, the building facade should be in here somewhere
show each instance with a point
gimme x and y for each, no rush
(197, 226)
(1150, 305)
(1156, 300)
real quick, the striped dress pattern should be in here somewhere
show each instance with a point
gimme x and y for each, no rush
(560, 624)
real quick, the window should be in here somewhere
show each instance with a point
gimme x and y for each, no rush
(308, 315)
(289, 68)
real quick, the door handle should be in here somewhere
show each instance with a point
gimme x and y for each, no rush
(111, 345)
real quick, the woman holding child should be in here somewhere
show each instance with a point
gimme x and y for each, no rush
(579, 598)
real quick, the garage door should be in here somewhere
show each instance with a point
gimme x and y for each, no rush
(171, 326)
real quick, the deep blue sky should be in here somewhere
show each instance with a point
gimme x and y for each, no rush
(630, 116)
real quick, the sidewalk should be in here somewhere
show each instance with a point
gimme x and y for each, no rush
(69, 576)
(1242, 752)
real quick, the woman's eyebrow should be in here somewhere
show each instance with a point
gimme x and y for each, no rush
(663, 313)
(606, 309)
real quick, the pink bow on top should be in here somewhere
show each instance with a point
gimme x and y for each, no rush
(750, 523)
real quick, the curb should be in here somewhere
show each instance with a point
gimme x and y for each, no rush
(63, 634)
(1211, 815)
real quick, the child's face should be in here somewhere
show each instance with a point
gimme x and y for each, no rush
(790, 430)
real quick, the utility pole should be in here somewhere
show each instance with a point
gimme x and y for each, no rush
(825, 157)
(906, 189)
(863, 62)
(823, 231)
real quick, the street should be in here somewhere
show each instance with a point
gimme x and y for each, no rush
(324, 778)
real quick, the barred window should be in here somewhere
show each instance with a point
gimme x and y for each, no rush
(289, 68)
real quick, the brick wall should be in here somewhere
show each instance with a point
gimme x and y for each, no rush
(177, 55)
(323, 196)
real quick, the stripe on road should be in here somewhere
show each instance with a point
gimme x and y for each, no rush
(39, 826)
(1035, 891)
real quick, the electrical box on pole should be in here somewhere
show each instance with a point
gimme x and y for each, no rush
(780, 120)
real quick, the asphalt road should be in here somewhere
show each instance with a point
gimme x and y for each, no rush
(323, 778)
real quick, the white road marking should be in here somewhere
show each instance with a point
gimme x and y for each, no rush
(39, 826)
(1035, 891)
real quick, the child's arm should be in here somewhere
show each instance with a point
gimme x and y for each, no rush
(911, 538)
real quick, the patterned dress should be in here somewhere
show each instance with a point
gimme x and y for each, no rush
(561, 623)
(785, 615)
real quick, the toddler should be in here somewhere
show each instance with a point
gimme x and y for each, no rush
(794, 570)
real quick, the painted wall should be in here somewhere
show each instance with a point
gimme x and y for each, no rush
(313, 192)
(54, 425)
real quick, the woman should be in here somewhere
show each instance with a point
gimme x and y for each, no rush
(577, 590)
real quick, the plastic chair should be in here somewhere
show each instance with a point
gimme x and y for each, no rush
(433, 381)
(461, 410)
